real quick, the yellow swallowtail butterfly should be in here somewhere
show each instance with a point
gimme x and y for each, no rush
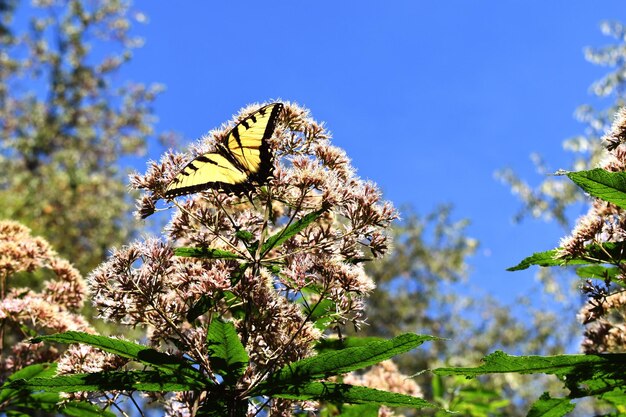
(242, 160)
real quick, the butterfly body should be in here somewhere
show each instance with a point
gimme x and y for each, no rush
(241, 161)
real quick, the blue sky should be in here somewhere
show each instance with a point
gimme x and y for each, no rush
(429, 98)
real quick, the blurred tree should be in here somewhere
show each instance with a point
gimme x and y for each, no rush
(421, 287)
(65, 126)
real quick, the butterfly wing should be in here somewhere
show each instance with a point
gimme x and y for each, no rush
(243, 159)
(247, 142)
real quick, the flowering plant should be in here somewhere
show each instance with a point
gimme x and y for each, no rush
(237, 295)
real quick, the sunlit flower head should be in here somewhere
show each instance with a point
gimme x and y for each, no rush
(283, 260)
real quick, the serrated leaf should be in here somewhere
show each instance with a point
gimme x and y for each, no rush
(202, 305)
(322, 314)
(333, 344)
(110, 381)
(547, 258)
(597, 272)
(342, 361)
(602, 376)
(130, 350)
(546, 406)
(290, 231)
(583, 375)
(46, 401)
(226, 352)
(352, 394)
(500, 362)
(51, 402)
(244, 235)
(235, 305)
(44, 370)
(608, 252)
(616, 398)
(205, 253)
(608, 186)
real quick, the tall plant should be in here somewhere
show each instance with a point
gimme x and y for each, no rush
(238, 292)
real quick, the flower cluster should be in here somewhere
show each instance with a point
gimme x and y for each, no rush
(605, 312)
(604, 222)
(53, 309)
(279, 295)
(606, 330)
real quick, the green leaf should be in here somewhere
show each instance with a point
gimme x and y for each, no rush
(437, 386)
(205, 253)
(202, 305)
(290, 231)
(235, 305)
(111, 381)
(605, 253)
(352, 394)
(51, 402)
(15, 413)
(244, 235)
(616, 398)
(340, 362)
(583, 375)
(206, 302)
(597, 272)
(546, 406)
(322, 314)
(274, 267)
(608, 186)
(500, 362)
(547, 258)
(332, 344)
(228, 356)
(471, 398)
(46, 401)
(130, 350)
(44, 370)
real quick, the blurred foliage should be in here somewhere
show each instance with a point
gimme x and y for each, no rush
(422, 288)
(65, 125)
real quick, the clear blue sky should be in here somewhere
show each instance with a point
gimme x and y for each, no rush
(429, 98)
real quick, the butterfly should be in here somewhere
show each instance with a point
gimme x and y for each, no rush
(240, 161)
